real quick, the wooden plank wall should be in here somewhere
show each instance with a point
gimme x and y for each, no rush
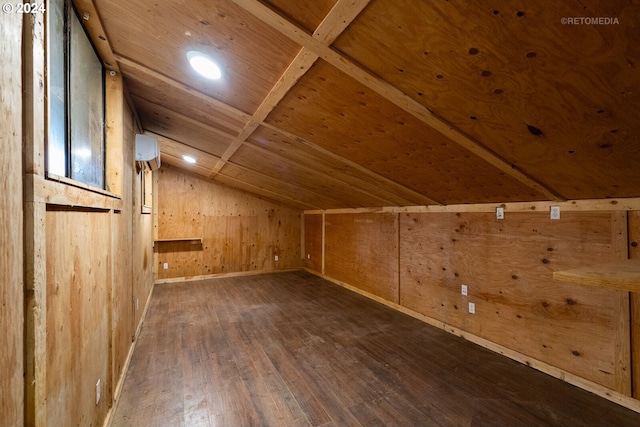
(83, 260)
(11, 234)
(507, 266)
(240, 232)
(362, 250)
(78, 274)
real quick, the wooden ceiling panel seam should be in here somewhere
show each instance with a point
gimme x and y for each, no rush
(418, 196)
(267, 177)
(171, 99)
(191, 148)
(393, 94)
(340, 16)
(217, 104)
(209, 128)
(178, 162)
(313, 195)
(277, 198)
(309, 170)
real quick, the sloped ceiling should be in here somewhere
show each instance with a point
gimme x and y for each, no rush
(343, 104)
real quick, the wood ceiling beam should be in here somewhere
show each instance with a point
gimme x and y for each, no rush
(225, 135)
(218, 105)
(243, 185)
(338, 18)
(391, 93)
(205, 171)
(93, 24)
(301, 63)
(416, 198)
(328, 178)
(177, 145)
(212, 129)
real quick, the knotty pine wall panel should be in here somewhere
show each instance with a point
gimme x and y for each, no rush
(239, 231)
(11, 232)
(362, 250)
(508, 268)
(78, 278)
(313, 242)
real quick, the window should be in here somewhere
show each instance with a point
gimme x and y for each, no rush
(76, 110)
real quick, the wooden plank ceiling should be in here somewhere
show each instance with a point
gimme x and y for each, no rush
(365, 103)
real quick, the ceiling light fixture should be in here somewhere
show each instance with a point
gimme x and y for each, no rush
(189, 159)
(204, 65)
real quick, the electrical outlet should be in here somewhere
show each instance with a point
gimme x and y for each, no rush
(554, 212)
(165, 265)
(137, 304)
(308, 256)
(98, 392)
(465, 291)
(499, 213)
(276, 257)
(472, 308)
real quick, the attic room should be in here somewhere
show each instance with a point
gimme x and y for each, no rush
(368, 212)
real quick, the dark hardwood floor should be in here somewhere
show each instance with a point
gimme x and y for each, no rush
(291, 349)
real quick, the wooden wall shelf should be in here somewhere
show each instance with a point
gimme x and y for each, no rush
(623, 275)
(192, 240)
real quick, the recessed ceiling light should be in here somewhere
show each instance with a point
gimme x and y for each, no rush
(189, 159)
(204, 65)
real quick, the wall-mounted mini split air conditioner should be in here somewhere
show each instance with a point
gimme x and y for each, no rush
(147, 152)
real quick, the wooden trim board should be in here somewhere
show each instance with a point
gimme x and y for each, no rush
(118, 387)
(621, 204)
(623, 275)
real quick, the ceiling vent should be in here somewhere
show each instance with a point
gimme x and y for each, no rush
(147, 152)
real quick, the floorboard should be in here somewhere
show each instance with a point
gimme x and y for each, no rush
(291, 349)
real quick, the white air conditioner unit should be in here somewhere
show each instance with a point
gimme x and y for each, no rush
(147, 151)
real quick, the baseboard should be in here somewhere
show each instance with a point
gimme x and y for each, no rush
(590, 386)
(118, 388)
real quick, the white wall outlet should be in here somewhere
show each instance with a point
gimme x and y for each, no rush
(276, 257)
(499, 213)
(554, 212)
(137, 304)
(98, 392)
(465, 291)
(165, 265)
(472, 308)
(308, 256)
